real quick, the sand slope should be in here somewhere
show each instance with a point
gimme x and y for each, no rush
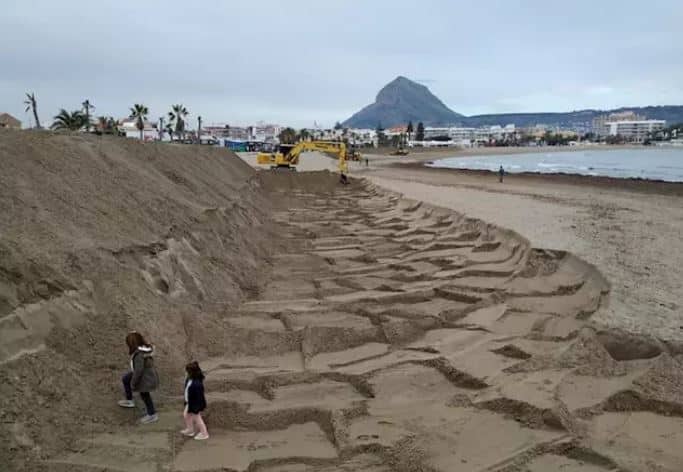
(99, 236)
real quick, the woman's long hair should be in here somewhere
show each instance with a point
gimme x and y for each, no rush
(194, 372)
(134, 340)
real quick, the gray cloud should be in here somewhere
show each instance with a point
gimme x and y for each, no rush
(298, 61)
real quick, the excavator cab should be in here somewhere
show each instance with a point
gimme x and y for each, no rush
(279, 160)
(285, 149)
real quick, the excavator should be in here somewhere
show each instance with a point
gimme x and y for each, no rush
(287, 157)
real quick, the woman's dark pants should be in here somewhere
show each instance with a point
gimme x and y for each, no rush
(146, 397)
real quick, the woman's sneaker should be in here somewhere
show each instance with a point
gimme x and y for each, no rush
(127, 403)
(147, 419)
(187, 432)
(201, 436)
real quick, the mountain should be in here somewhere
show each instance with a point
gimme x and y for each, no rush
(401, 101)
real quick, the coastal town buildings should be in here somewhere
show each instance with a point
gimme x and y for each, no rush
(217, 130)
(462, 136)
(260, 134)
(263, 131)
(363, 137)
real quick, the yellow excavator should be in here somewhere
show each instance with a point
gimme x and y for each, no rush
(287, 157)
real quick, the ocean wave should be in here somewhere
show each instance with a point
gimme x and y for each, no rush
(640, 163)
(549, 165)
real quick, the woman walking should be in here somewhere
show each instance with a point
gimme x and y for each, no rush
(142, 377)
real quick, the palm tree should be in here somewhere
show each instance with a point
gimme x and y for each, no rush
(288, 136)
(107, 125)
(139, 113)
(169, 130)
(304, 134)
(87, 106)
(68, 121)
(32, 104)
(177, 115)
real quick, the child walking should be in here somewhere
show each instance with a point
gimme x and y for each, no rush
(195, 403)
(142, 376)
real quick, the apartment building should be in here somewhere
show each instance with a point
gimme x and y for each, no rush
(600, 122)
(634, 130)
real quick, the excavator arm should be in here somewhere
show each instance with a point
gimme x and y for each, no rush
(289, 157)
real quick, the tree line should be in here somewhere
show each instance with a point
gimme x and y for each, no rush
(81, 118)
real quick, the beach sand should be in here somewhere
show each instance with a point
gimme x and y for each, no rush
(341, 327)
(630, 230)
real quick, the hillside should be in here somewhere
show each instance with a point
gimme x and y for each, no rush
(671, 113)
(401, 101)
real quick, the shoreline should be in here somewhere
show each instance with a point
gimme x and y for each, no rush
(445, 153)
(637, 184)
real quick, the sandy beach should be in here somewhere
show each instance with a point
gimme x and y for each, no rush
(630, 231)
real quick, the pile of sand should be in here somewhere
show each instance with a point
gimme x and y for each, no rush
(100, 236)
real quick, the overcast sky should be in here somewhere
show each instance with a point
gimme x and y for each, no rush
(299, 61)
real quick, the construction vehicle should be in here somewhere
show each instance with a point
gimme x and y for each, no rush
(287, 156)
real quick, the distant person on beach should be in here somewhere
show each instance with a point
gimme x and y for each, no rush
(142, 377)
(501, 174)
(195, 403)
(343, 179)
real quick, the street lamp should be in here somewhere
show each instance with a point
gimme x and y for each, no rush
(199, 130)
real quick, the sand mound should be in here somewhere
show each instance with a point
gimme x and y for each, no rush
(100, 236)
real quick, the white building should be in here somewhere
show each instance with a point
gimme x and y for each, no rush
(130, 129)
(600, 127)
(436, 132)
(264, 132)
(472, 136)
(462, 134)
(634, 130)
(363, 137)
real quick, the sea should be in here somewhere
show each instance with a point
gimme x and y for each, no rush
(653, 163)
